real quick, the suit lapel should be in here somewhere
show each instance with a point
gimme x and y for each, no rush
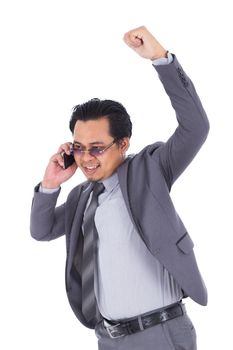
(123, 175)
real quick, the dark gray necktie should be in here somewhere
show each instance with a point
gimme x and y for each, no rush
(89, 252)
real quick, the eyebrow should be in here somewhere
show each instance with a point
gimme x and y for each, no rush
(91, 143)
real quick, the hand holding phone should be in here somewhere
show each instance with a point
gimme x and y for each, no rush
(60, 167)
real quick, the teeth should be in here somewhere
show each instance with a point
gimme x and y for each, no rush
(91, 167)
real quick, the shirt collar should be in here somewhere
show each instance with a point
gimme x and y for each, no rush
(111, 182)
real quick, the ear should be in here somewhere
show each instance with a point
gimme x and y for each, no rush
(124, 144)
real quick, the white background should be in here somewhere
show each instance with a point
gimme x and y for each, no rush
(55, 54)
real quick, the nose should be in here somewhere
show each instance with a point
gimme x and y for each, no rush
(86, 156)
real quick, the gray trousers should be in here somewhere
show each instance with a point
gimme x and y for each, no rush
(176, 334)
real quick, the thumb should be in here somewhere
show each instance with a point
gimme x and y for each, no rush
(136, 42)
(132, 40)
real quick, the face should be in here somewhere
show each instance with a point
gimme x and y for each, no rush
(95, 134)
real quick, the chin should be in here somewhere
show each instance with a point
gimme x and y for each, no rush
(94, 178)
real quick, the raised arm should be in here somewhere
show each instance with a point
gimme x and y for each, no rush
(193, 126)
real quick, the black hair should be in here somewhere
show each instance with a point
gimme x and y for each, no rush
(119, 120)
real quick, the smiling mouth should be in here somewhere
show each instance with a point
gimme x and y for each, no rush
(90, 169)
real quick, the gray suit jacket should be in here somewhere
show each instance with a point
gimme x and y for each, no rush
(145, 180)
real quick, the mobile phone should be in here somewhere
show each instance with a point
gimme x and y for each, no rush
(68, 160)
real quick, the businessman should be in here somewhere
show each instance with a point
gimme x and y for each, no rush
(130, 260)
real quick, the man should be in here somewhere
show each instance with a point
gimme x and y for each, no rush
(130, 260)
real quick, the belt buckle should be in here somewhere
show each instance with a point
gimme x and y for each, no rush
(164, 316)
(113, 332)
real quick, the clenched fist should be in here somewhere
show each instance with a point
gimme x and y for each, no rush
(143, 42)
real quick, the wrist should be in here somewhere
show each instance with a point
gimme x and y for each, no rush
(50, 185)
(162, 54)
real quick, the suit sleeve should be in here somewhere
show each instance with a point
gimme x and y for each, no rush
(193, 126)
(47, 221)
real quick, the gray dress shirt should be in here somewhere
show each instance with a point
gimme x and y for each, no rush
(129, 280)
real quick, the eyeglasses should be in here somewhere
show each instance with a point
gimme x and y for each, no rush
(94, 151)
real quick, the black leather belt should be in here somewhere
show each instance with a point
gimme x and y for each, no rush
(139, 323)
